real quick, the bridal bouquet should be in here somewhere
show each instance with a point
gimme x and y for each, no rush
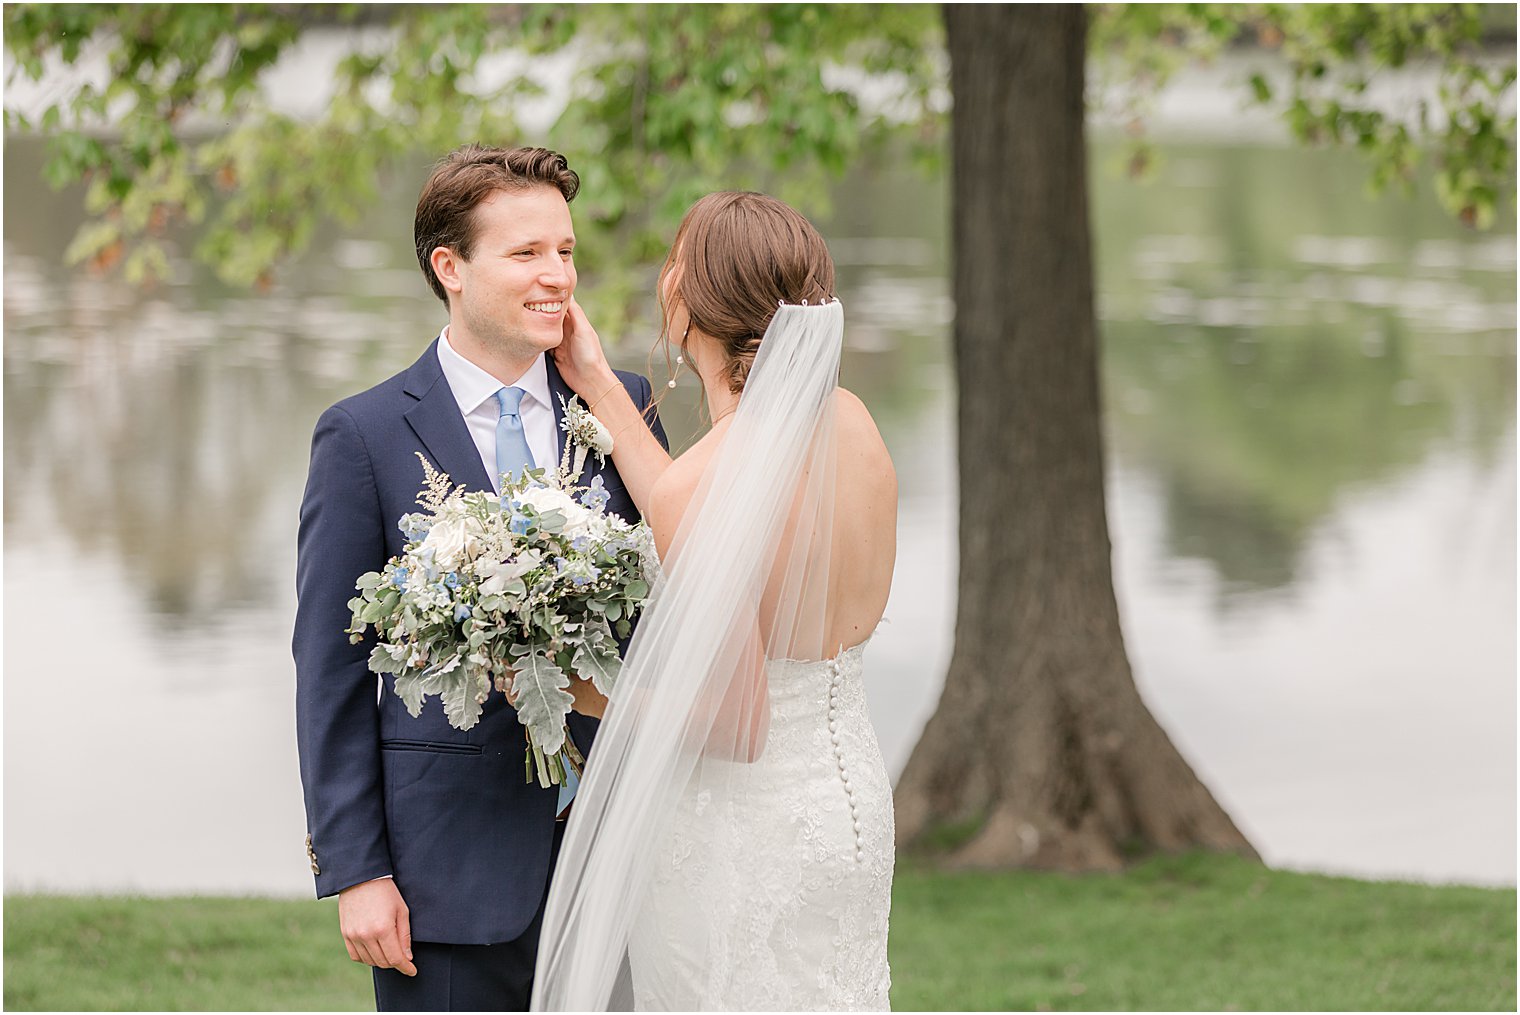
(522, 590)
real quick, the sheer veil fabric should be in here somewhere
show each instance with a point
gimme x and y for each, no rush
(746, 585)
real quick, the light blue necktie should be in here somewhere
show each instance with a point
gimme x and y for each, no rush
(513, 456)
(512, 452)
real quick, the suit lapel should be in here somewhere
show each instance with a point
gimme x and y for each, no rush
(440, 426)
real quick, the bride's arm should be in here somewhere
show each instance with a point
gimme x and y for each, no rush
(637, 454)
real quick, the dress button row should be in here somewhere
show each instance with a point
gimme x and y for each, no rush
(844, 776)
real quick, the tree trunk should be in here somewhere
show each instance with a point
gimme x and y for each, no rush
(1041, 750)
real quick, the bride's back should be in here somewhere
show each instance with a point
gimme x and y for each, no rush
(864, 538)
(842, 575)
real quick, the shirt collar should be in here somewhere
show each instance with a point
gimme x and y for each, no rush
(472, 385)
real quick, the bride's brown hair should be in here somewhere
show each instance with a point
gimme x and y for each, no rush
(742, 254)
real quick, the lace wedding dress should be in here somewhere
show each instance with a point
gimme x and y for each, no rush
(732, 835)
(775, 895)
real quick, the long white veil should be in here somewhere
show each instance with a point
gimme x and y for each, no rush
(746, 583)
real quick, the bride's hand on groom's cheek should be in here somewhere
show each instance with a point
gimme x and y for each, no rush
(579, 355)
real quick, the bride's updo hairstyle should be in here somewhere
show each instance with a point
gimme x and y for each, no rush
(737, 256)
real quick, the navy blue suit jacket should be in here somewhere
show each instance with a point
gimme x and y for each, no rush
(446, 812)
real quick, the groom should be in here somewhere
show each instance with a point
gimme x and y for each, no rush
(438, 850)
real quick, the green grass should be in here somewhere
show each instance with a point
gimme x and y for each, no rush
(1197, 932)
(1188, 933)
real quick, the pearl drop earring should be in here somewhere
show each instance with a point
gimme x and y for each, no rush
(679, 358)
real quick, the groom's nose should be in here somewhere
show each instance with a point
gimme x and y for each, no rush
(557, 275)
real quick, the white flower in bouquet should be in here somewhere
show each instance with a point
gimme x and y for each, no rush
(539, 582)
(454, 541)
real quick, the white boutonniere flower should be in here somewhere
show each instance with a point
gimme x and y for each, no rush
(586, 435)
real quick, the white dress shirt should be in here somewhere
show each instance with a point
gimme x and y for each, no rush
(475, 391)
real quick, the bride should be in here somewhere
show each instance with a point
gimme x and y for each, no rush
(733, 834)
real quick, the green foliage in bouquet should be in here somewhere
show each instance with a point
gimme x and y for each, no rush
(523, 591)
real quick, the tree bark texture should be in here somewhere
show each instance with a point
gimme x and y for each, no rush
(1041, 742)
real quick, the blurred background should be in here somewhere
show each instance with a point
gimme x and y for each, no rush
(1310, 423)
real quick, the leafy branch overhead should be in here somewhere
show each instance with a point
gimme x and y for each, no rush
(162, 110)
(1330, 81)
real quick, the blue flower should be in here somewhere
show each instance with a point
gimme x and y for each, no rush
(414, 526)
(596, 495)
(580, 544)
(451, 580)
(399, 579)
(461, 612)
(519, 524)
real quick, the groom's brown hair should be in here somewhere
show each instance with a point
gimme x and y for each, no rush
(467, 176)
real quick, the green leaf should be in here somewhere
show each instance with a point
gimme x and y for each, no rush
(409, 690)
(600, 668)
(1260, 89)
(542, 699)
(388, 658)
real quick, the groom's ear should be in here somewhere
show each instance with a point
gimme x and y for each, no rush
(445, 264)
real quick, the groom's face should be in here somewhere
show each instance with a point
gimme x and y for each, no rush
(516, 286)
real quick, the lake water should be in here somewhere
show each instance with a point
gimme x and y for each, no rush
(1311, 448)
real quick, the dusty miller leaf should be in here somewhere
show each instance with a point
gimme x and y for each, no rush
(464, 699)
(387, 658)
(542, 701)
(601, 668)
(409, 690)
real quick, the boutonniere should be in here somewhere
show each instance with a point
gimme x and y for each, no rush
(585, 434)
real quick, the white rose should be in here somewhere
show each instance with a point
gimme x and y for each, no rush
(544, 499)
(454, 542)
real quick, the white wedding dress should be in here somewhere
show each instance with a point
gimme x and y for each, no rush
(732, 835)
(775, 895)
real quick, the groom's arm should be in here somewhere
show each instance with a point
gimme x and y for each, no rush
(337, 723)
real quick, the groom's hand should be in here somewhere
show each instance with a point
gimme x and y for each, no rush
(588, 700)
(377, 926)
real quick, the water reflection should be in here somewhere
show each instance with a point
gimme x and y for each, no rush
(1310, 417)
(1265, 371)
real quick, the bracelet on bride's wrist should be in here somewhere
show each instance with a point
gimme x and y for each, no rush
(591, 406)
